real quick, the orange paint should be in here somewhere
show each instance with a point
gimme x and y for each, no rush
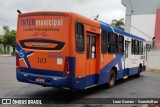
(36, 27)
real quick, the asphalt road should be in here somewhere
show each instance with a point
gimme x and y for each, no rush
(147, 86)
(8, 81)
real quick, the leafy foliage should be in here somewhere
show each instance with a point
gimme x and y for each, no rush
(119, 23)
(8, 38)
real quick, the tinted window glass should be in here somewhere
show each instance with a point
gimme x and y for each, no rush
(133, 46)
(112, 42)
(141, 48)
(88, 46)
(121, 44)
(104, 42)
(79, 37)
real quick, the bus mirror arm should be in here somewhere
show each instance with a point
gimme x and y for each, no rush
(19, 12)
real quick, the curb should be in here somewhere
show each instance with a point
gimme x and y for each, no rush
(5, 55)
(153, 70)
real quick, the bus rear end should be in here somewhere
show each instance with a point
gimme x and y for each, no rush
(42, 53)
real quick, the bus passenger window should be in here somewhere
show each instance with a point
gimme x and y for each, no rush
(79, 37)
(112, 42)
(104, 43)
(133, 47)
(126, 49)
(136, 47)
(140, 48)
(121, 44)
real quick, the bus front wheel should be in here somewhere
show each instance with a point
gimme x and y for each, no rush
(112, 79)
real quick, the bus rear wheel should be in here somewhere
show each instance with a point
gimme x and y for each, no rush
(112, 79)
(139, 71)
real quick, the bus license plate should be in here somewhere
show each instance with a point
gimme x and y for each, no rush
(40, 80)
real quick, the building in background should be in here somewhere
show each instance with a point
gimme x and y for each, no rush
(141, 18)
(157, 26)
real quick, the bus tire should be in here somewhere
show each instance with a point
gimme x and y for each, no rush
(139, 71)
(112, 79)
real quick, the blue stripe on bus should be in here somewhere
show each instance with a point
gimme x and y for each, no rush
(71, 81)
(77, 83)
(52, 81)
(111, 28)
(41, 71)
(72, 61)
(105, 71)
(23, 54)
(103, 77)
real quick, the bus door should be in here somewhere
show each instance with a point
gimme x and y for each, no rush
(126, 62)
(91, 59)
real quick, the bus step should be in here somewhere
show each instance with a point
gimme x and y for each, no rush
(125, 77)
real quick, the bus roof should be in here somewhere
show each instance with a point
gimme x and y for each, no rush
(108, 27)
(76, 16)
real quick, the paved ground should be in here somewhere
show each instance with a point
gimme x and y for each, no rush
(147, 86)
(8, 81)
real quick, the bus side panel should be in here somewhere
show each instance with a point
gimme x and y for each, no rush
(112, 60)
(80, 70)
(133, 70)
(85, 73)
(105, 60)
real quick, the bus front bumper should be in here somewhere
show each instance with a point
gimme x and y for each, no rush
(52, 81)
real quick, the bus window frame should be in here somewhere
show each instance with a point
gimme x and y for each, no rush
(95, 45)
(123, 45)
(88, 46)
(106, 51)
(136, 49)
(77, 22)
(139, 44)
(140, 48)
(116, 36)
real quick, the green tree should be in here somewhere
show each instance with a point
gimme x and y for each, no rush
(5, 37)
(1, 39)
(8, 38)
(119, 23)
(12, 39)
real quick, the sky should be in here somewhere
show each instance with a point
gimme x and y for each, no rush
(107, 9)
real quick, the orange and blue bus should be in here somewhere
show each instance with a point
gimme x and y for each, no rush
(64, 49)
